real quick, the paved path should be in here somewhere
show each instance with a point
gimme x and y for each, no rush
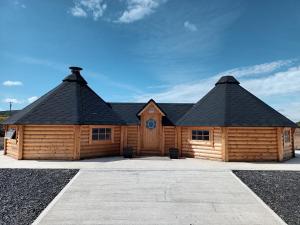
(164, 196)
(156, 163)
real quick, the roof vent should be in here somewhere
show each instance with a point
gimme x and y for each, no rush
(227, 80)
(75, 76)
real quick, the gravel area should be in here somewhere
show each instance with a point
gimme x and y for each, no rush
(278, 189)
(24, 193)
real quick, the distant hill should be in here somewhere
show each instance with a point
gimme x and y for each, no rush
(298, 123)
(7, 113)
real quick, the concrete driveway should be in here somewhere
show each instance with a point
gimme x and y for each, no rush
(161, 196)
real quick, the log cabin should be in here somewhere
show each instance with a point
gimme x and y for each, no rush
(72, 122)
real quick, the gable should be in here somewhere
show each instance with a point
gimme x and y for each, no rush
(151, 108)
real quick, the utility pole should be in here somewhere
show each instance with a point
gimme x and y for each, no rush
(10, 106)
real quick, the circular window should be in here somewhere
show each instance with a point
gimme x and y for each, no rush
(151, 123)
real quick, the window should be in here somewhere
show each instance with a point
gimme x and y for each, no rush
(10, 134)
(202, 135)
(101, 134)
(287, 136)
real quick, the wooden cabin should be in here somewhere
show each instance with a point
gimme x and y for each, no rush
(72, 122)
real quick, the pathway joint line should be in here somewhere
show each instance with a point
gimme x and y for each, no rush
(54, 201)
(278, 218)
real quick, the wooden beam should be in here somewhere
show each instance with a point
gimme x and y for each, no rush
(224, 144)
(20, 141)
(279, 143)
(76, 153)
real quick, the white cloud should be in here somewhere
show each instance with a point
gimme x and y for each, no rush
(12, 83)
(138, 9)
(258, 69)
(13, 100)
(84, 8)
(32, 99)
(189, 26)
(283, 83)
(78, 12)
(280, 83)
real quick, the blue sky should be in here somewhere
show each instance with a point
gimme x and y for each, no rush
(169, 50)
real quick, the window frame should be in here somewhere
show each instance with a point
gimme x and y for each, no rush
(111, 140)
(287, 131)
(14, 134)
(205, 142)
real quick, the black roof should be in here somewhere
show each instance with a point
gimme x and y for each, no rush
(71, 102)
(129, 111)
(74, 102)
(229, 104)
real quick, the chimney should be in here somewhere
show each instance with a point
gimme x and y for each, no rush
(75, 69)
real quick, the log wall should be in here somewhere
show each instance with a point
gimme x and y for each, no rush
(48, 142)
(11, 145)
(132, 138)
(252, 144)
(97, 149)
(211, 149)
(169, 139)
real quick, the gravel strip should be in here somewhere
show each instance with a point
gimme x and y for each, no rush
(278, 189)
(24, 193)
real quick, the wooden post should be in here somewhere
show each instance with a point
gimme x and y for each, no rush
(5, 142)
(20, 141)
(139, 140)
(293, 141)
(76, 155)
(279, 144)
(162, 140)
(178, 143)
(224, 144)
(122, 140)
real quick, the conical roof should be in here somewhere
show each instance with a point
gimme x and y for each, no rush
(229, 104)
(71, 102)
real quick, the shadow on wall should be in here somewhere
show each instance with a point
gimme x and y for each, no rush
(1, 143)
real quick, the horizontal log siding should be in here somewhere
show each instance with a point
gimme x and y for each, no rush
(48, 142)
(90, 150)
(200, 149)
(11, 148)
(169, 139)
(132, 138)
(297, 138)
(252, 144)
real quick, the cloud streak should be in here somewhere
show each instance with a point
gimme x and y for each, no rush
(13, 100)
(10, 83)
(138, 9)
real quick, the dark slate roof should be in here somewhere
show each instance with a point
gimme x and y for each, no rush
(71, 102)
(129, 111)
(229, 104)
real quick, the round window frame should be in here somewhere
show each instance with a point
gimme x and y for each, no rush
(149, 122)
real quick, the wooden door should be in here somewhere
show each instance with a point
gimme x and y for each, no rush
(151, 132)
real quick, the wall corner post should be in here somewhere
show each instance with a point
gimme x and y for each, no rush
(77, 132)
(225, 157)
(20, 142)
(280, 143)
